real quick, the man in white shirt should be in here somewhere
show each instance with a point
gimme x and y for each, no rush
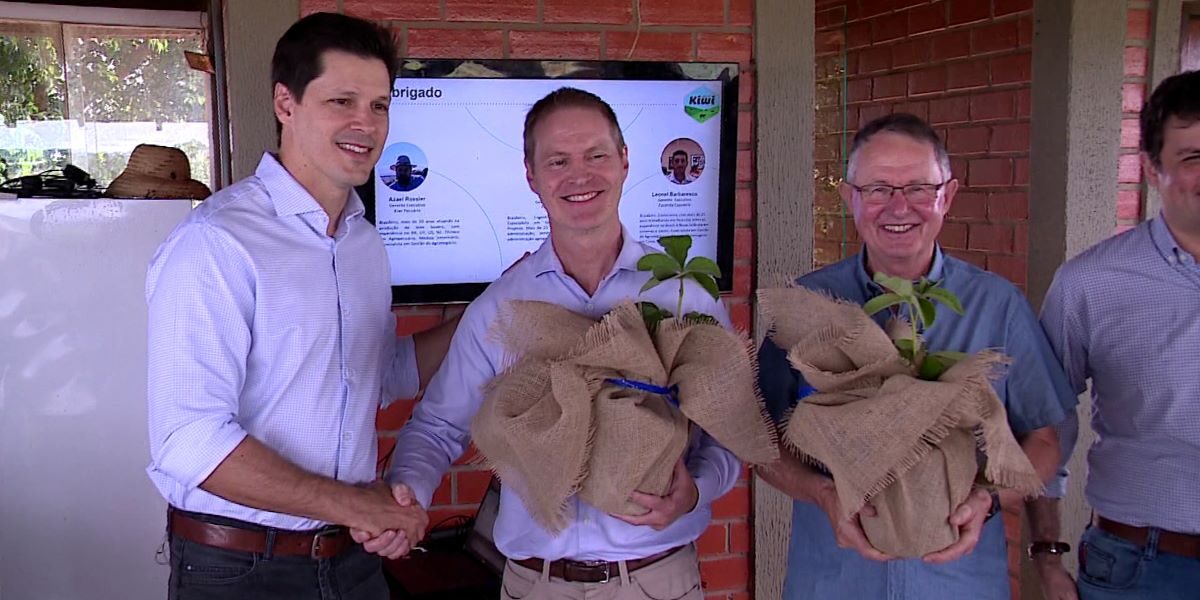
(576, 162)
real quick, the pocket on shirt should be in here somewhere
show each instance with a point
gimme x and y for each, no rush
(1109, 562)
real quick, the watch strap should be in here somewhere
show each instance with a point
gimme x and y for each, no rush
(1053, 548)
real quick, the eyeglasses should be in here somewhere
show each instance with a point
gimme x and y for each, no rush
(914, 193)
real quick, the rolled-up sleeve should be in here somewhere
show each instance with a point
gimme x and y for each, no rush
(200, 292)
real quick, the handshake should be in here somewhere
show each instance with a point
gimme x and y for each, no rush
(390, 521)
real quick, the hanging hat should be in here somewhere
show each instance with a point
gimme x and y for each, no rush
(157, 172)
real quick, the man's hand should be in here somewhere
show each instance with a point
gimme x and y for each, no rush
(1057, 583)
(968, 518)
(392, 543)
(387, 526)
(848, 531)
(681, 498)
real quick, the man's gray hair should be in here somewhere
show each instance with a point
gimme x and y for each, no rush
(904, 124)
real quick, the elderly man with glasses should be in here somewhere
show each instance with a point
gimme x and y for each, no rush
(899, 189)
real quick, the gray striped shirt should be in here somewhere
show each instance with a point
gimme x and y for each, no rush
(1126, 314)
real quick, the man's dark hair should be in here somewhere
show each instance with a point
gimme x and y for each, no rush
(1177, 96)
(299, 53)
(568, 97)
(677, 153)
(904, 124)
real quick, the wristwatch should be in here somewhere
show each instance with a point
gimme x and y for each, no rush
(1053, 548)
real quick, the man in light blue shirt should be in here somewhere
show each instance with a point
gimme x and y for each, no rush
(576, 162)
(1126, 315)
(899, 187)
(272, 344)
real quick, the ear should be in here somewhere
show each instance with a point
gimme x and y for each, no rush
(284, 103)
(847, 194)
(1149, 171)
(949, 191)
(625, 159)
(529, 178)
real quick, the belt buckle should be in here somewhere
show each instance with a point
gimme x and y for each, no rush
(599, 563)
(316, 542)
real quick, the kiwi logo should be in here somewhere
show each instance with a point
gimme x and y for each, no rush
(702, 105)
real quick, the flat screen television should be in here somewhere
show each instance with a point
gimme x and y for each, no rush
(449, 194)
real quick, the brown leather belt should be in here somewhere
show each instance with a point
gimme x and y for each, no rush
(593, 571)
(1182, 544)
(317, 544)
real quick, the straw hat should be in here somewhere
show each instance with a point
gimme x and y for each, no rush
(157, 172)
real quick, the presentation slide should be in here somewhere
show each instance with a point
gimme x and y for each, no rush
(451, 199)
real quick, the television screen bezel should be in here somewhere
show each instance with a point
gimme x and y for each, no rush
(727, 74)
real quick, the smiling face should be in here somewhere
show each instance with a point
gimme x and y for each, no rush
(332, 137)
(899, 235)
(1177, 177)
(577, 169)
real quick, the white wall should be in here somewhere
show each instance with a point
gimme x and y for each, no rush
(78, 515)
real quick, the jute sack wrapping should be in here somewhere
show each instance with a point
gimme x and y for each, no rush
(906, 445)
(553, 424)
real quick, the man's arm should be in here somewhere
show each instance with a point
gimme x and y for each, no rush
(254, 475)
(431, 347)
(779, 384)
(439, 429)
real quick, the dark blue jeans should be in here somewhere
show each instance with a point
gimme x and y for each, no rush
(1111, 568)
(200, 572)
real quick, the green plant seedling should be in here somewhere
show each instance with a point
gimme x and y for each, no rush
(915, 302)
(673, 263)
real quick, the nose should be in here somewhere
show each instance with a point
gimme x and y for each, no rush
(897, 203)
(365, 119)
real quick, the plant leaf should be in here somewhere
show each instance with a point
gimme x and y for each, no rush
(708, 283)
(899, 285)
(677, 247)
(703, 264)
(928, 312)
(949, 357)
(881, 302)
(652, 314)
(946, 297)
(664, 267)
(932, 368)
(650, 284)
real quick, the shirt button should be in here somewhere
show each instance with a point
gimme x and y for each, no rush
(350, 374)
(346, 436)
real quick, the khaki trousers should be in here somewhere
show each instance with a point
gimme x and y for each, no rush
(676, 577)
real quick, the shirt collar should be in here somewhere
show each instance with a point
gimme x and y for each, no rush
(546, 260)
(1167, 246)
(289, 197)
(937, 270)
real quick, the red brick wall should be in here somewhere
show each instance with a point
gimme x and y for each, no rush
(698, 30)
(965, 66)
(1130, 191)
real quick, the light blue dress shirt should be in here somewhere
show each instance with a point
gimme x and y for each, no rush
(260, 324)
(440, 427)
(1034, 393)
(1126, 314)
